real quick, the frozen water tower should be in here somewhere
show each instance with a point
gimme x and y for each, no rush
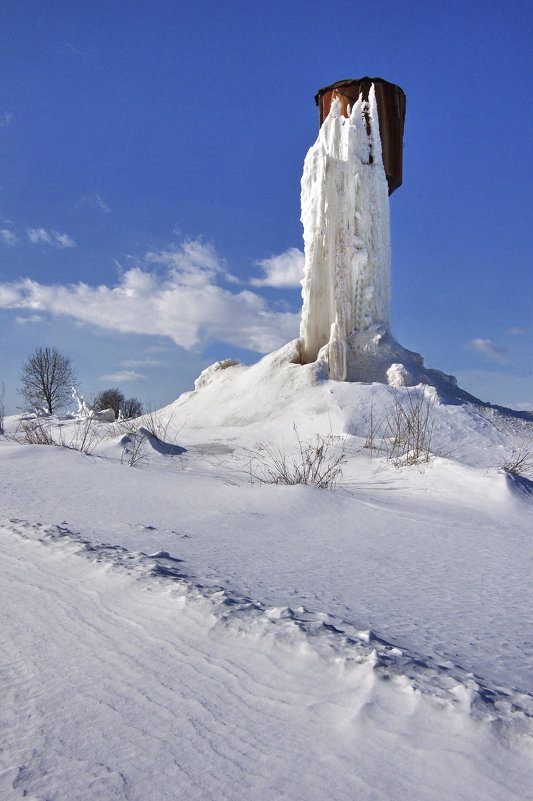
(390, 101)
(350, 171)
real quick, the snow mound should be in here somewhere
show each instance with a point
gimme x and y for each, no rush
(265, 401)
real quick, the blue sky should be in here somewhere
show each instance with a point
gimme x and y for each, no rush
(151, 156)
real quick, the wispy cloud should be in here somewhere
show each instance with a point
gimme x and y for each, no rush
(76, 51)
(123, 376)
(516, 331)
(40, 236)
(283, 271)
(8, 237)
(146, 362)
(496, 353)
(94, 201)
(33, 318)
(6, 118)
(63, 240)
(172, 292)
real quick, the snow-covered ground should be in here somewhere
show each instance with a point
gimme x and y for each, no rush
(176, 629)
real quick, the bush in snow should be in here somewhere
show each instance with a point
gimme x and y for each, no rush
(134, 447)
(35, 432)
(318, 463)
(405, 435)
(520, 462)
(157, 426)
(2, 396)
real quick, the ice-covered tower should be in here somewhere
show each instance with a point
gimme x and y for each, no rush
(348, 175)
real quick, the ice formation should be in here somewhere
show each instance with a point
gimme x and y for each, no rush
(345, 213)
(346, 286)
(85, 411)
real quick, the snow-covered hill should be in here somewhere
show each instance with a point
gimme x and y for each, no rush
(175, 628)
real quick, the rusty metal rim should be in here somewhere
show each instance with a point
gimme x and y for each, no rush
(353, 82)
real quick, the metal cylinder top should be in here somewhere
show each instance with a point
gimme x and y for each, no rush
(390, 101)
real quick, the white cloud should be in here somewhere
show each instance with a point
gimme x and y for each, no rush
(63, 240)
(496, 353)
(195, 261)
(94, 201)
(123, 376)
(516, 330)
(171, 292)
(40, 236)
(283, 271)
(8, 237)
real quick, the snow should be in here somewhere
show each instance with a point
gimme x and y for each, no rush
(176, 624)
(175, 627)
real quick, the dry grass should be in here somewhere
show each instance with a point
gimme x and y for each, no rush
(2, 407)
(405, 435)
(318, 463)
(157, 427)
(520, 462)
(134, 448)
(35, 431)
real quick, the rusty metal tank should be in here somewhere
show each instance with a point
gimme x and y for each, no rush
(390, 101)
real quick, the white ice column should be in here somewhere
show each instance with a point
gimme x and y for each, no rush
(345, 214)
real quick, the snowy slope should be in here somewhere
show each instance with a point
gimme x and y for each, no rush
(281, 641)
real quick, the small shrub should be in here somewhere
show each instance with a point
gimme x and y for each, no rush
(520, 462)
(34, 432)
(405, 435)
(86, 436)
(84, 439)
(134, 448)
(156, 427)
(318, 463)
(2, 407)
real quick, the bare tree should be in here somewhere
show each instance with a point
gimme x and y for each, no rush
(131, 407)
(47, 378)
(109, 399)
(114, 399)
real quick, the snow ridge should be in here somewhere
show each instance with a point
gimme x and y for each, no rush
(331, 637)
